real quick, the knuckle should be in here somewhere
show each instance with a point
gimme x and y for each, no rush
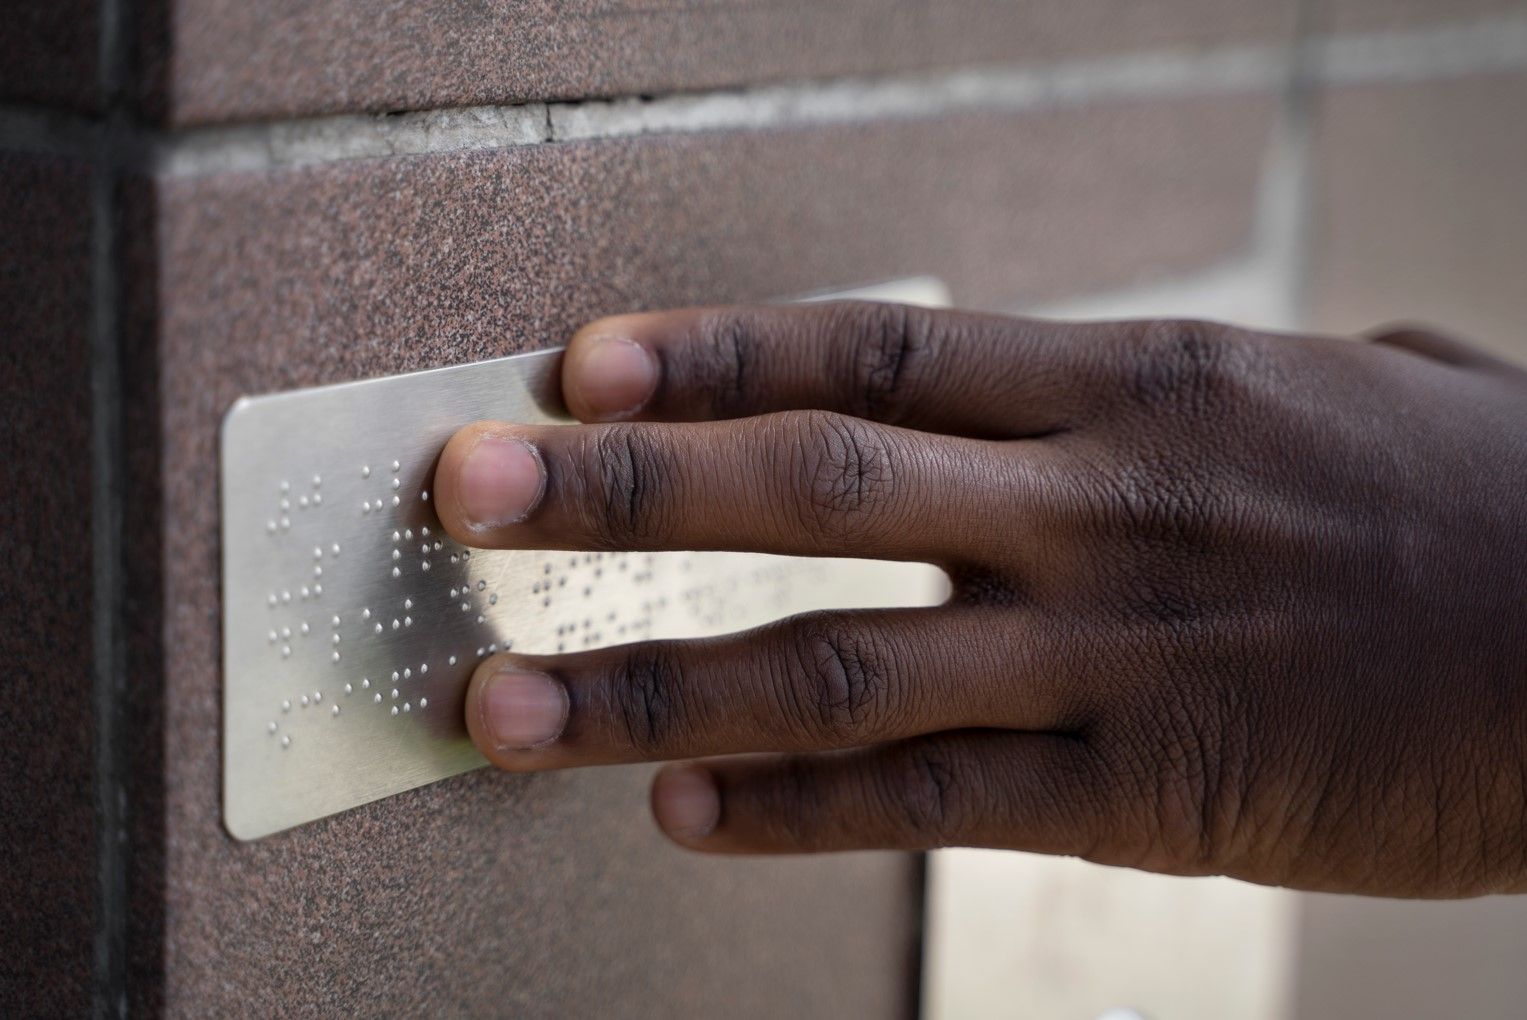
(646, 703)
(890, 343)
(927, 792)
(846, 679)
(622, 473)
(720, 360)
(844, 475)
(1183, 364)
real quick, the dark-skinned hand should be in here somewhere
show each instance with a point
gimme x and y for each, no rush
(1223, 602)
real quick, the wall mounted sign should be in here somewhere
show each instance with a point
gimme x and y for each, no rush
(351, 622)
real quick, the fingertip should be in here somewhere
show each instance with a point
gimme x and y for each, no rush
(686, 803)
(609, 373)
(487, 478)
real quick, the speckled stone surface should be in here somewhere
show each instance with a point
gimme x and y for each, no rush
(1457, 254)
(211, 60)
(47, 831)
(492, 894)
(1400, 15)
(48, 53)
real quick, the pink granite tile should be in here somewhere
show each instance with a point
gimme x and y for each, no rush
(213, 60)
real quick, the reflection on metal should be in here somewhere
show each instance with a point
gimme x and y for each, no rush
(351, 622)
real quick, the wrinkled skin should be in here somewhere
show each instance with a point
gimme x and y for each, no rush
(1223, 602)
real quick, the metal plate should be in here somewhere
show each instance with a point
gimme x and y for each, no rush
(351, 622)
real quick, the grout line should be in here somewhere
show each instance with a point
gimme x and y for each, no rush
(1448, 50)
(108, 592)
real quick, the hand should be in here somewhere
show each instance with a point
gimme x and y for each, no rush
(1223, 602)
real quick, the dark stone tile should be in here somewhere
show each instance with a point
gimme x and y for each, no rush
(48, 53)
(552, 895)
(212, 60)
(47, 829)
(1421, 209)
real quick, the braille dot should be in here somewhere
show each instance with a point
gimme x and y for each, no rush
(481, 652)
(334, 549)
(286, 741)
(336, 639)
(408, 533)
(481, 585)
(397, 554)
(334, 710)
(423, 667)
(366, 613)
(396, 572)
(365, 682)
(479, 618)
(303, 502)
(286, 706)
(407, 673)
(317, 571)
(272, 637)
(286, 522)
(317, 481)
(437, 545)
(397, 536)
(318, 695)
(424, 549)
(317, 590)
(453, 557)
(317, 498)
(453, 593)
(270, 526)
(493, 599)
(270, 600)
(492, 648)
(349, 688)
(379, 628)
(408, 621)
(396, 484)
(396, 676)
(305, 701)
(286, 486)
(396, 625)
(376, 699)
(365, 507)
(394, 709)
(306, 591)
(286, 651)
(423, 702)
(334, 622)
(334, 657)
(408, 603)
(365, 470)
(406, 706)
(465, 607)
(396, 466)
(466, 554)
(394, 694)
(424, 495)
(453, 660)
(377, 505)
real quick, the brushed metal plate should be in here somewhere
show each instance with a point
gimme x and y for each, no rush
(351, 622)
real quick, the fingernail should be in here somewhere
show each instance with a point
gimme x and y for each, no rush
(523, 710)
(500, 482)
(685, 801)
(616, 377)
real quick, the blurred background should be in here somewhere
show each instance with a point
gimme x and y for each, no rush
(201, 199)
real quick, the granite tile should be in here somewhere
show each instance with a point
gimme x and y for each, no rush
(552, 895)
(1401, 15)
(1421, 209)
(48, 53)
(47, 829)
(215, 60)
